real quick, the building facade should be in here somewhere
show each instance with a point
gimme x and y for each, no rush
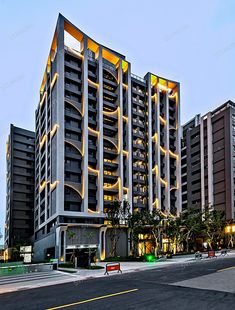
(208, 160)
(102, 134)
(20, 159)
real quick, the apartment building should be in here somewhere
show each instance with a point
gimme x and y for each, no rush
(102, 134)
(20, 158)
(208, 160)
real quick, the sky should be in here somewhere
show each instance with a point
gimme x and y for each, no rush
(192, 42)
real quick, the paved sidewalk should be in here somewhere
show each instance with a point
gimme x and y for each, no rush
(35, 280)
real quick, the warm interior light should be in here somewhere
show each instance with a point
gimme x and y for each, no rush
(112, 186)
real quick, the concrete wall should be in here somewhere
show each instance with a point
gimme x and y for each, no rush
(41, 245)
(122, 246)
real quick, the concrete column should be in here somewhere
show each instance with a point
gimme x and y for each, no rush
(167, 187)
(102, 241)
(210, 160)
(60, 117)
(129, 128)
(100, 142)
(150, 165)
(158, 150)
(178, 151)
(202, 165)
(85, 126)
(120, 132)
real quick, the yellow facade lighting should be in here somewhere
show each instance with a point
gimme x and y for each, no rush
(92, 211)
(94, 131)
(153, 79)
(54, 80)
(173, 155)
(53, 185)
(42, 186)
(175, 187)
(93, 170)
(163, 182)
(112, 186)
(110, 56)
(155, 169)
(125, 85)
(43, 98)
(154, 97)
(163, 150)
(156, 203)
(54, 129)
(124, 65)
(93, 83)
(125, 152)
(111, 113)
(43, 140)
(155, 137)
(162, 120)
(125, 118)
(73, 51)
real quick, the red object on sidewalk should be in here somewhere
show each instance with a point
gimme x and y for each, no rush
(211, 253)
(112, 267)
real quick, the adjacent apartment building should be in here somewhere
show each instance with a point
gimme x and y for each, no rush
(20, 158)
(102, 134)
(208, 160)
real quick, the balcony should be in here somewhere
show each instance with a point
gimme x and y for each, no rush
(137, 122)
(73, 65)
(74, 77)
(110, 165)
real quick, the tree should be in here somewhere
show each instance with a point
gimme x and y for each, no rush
(135, 224)
(71, 235)
(117, 216)
(214, 224)
(192, 225)
(175, 231)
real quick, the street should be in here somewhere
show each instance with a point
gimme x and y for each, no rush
(170, 287)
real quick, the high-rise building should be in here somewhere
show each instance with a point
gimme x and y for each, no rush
(102, 134)
(208, 160)
(20, 158)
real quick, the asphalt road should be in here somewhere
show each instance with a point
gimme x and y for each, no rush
(150, 289)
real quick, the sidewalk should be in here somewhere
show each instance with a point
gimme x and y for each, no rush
(28, 281)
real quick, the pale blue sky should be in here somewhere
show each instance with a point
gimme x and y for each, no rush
(189, 41)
